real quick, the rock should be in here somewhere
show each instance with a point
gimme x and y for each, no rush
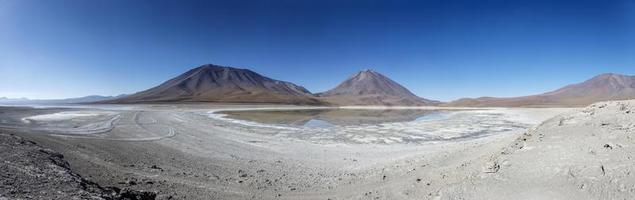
(493, 168)
(155, 167)
(129, 194)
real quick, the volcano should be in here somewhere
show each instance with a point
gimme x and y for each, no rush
(214, 83)
(369, 87)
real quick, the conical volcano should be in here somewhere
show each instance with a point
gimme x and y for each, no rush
(372, 88)
(213, 83)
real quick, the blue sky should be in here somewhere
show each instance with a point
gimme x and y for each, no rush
(438, 49)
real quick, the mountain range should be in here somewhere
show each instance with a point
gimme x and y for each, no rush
(222, 84)
(85, 99)
(603, 87)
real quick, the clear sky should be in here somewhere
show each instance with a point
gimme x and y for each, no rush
(438, 49)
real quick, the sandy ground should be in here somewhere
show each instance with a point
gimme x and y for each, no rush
(583, 154)
(180, 152)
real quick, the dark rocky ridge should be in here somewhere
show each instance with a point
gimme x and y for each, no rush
(603, 87)
(372, 88)
(213, 83)
(28, 171)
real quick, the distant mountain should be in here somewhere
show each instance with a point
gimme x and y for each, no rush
(89, 99)
(85, 99)
(599, 88)
(6, 99)
(213, 83)
(372, 88)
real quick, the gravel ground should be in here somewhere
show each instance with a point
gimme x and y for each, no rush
(178, 152)
(32, 172)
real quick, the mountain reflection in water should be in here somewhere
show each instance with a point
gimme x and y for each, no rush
(332, 117)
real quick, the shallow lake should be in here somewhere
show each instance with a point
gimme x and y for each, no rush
(334, 117)
(379, 126)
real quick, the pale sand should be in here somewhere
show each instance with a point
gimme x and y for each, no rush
(583, 154)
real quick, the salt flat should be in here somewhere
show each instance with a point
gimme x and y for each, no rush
(189, 151)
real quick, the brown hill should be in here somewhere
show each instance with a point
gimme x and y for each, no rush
(600, 88)
(371, 88)
(213, 83)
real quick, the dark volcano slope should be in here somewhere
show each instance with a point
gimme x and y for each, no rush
(213, 83)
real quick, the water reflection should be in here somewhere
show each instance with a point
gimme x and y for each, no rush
(332, 117)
